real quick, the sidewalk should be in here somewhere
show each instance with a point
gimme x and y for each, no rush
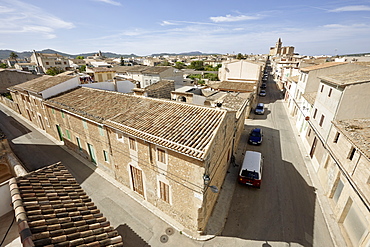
(323, 200)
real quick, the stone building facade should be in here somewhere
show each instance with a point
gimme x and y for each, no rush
(168, 153)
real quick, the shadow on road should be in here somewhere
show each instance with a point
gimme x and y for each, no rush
(282, 210)
(130, 238)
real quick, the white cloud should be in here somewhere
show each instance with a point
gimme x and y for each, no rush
(230, 18)
(167, 23)
(351, 8)
(22, 17)
(110, 2)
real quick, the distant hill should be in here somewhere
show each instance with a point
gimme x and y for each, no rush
(4, 54)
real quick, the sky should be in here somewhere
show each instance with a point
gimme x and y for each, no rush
(144, 27)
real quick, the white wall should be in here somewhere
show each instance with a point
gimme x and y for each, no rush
(122, 86)
(62, 87)
(355, 102)
(199, 100)
(240, 70)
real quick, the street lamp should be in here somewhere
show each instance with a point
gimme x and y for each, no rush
(206, 180)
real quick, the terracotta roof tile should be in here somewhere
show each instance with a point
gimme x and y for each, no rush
(52, 209)
(177, 126)
(348, 78)
(321, 66)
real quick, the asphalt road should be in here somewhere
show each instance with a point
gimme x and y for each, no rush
(285, 209)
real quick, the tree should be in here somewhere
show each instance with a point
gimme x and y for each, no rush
(82, 68)
(197, 65)
(80, 57)
(3, 65)
(54, 71)
(211, 77)
(165, 63)
(239, 56)
(179, 65)
(13, 56)
(122, 63)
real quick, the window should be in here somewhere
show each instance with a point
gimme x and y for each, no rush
(314, 114)
(309, 133)
(106, 156)
(101, 130)
(336, 137)
(161, 155)
(47, 63)
(68, 135)
(338, 190)
(52, 110)
(352, 153)
(321, 120)
(79, 143)
(330, 92)
(322, 88)
(84, 123)
(62, 114)
(119, 136)
(164, 191)
(132, 143)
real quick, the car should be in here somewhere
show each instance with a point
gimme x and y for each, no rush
(263, 85)
(262, 93)
(260, 109)
(255, 137)
(264, 79)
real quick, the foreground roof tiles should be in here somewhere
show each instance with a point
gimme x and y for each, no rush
(51, 209)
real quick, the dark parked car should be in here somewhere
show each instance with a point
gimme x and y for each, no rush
(263, 85)
(255, 137)
(262, 93)
(260, 109)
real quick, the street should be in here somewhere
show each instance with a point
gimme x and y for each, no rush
(285, 209)
(283, 212)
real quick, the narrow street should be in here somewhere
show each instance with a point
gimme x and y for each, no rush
(285, 209)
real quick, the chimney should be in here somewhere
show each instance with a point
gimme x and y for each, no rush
(139, 92)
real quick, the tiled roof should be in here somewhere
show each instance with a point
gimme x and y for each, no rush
(233, 102)
(234, 86)
(294, 78)
(181, 127)
(351, 77)
(102, 69)
(42, 83)
(156, 69)
(160, 84)
(310, 97)
(321, 66)
(358, 132)
(51, 209)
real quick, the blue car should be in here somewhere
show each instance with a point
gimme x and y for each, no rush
(255, 137)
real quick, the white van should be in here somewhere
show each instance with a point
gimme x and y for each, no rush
(251, 171)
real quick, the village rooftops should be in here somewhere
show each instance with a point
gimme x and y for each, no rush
(51, 209)
(41, 83)
(356, 131)
(141, 69)
(177, 126)
(348, 78)
(321, 66)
